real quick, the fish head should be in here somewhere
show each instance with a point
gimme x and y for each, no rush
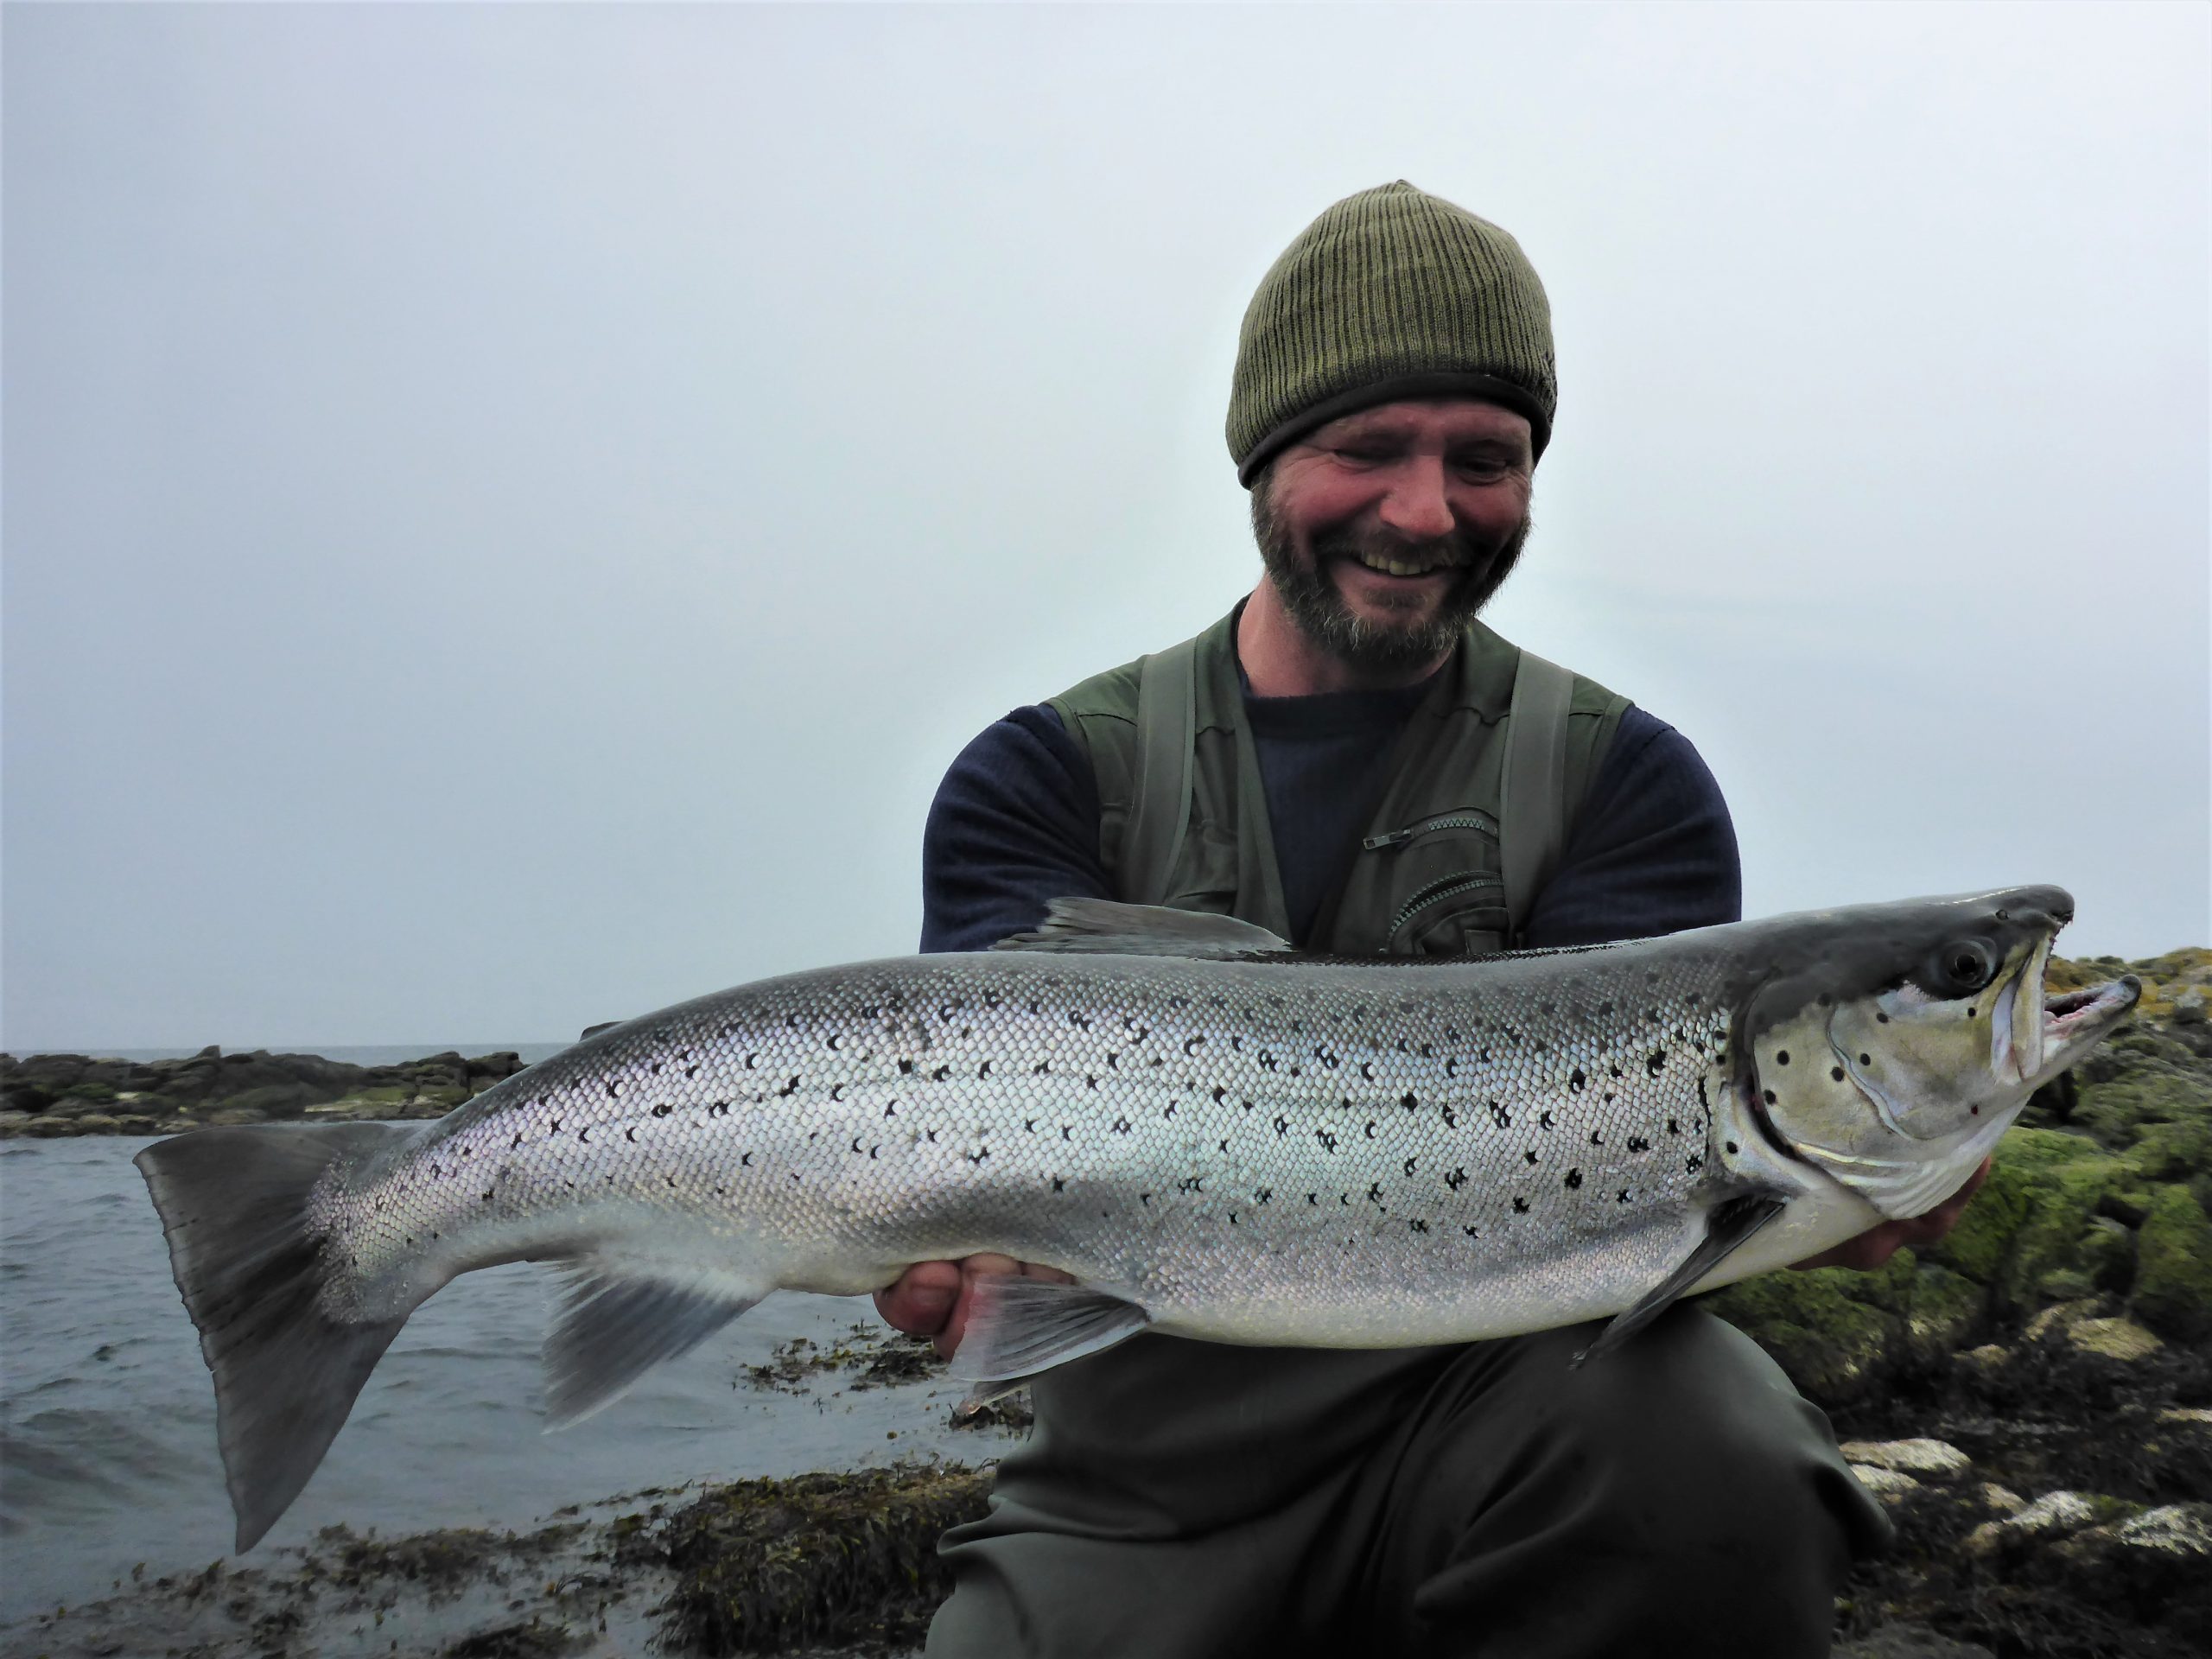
(1892, 1054)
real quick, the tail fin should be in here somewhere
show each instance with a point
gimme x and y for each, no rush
(233, 1202)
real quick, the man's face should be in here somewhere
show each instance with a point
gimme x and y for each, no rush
(1386, 531)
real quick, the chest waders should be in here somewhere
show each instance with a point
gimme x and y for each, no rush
(1481, 791)
(1192, 1500)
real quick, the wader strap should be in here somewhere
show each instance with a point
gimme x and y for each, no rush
(1532, 812)
(1160, 808)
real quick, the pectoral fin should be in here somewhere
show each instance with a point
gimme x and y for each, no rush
(1017, 1327)
(1727, 1224)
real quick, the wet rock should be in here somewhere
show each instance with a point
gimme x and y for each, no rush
(2146, 1561)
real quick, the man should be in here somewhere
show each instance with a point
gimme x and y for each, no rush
(1335, 761)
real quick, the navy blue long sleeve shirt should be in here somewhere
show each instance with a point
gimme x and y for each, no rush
(1015, 825)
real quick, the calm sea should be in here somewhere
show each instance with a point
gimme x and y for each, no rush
(107, 1419)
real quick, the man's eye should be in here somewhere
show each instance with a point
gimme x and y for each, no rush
(1353, 452)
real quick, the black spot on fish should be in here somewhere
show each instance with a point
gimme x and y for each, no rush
(1836, 1073)
(1623, 1197)
(1408, 1100)
(1500, 1116)
(1573, 1178)
(1090, 1080)
(614, 1091)
(745, 1159)
(1328, 1142)
(1866, 1059)
(1371, 1129)
(1576, 1080)
(1144, 1197)
(1520, 1206)
(982, 1070)
(1409, 1166)
(518, 1142)
(905, 1068)
(1543, 1120)
(1732, 1147)
(1224, 1146)
(1456, 1180)
(1769, 1096)
(1530, 1154)
(1637, 1143)
(1694, 1163)
(1655, 1061)
(1263, 1195)
(1120, 1126)
(631, 1135)
(1282, 1126)
(1597, 1137)
(930, 1135)
(1451, 1116)
(663, 1109)
(1781, 1057)
(1059, 1183)
(891, 1110)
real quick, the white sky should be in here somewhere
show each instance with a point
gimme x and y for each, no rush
(509, 511)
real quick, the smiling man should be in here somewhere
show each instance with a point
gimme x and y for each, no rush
(1352, 760)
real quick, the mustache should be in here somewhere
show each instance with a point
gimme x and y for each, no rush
(1459, 551)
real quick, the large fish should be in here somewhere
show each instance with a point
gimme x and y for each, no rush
(1217, 1137)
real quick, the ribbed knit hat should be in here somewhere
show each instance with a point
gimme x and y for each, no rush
(1392, 293)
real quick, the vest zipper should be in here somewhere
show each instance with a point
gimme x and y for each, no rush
(1444, 820)
(1450, 887)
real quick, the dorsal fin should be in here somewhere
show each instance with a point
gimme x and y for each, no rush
(1101, 927)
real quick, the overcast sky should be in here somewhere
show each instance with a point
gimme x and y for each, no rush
(510, 511)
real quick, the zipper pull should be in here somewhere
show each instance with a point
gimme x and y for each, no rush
(1396, 837)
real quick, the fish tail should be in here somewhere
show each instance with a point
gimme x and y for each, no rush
(233, 1202)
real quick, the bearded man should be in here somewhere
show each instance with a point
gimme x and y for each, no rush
(1351, 760)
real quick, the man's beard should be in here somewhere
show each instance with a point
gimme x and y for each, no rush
(1320, 614)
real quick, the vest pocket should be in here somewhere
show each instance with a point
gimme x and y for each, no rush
(1204, 877)
(1446, 896)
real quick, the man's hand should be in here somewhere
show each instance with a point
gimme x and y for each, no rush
(1877, 1244)
(931, 1298)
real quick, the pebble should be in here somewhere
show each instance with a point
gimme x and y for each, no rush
(1930, 1459)
(1887, 1484)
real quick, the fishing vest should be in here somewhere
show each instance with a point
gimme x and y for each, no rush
(1484, 783)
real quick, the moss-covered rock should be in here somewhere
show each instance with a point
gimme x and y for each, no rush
(2173, 1279)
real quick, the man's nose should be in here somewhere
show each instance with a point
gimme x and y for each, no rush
(1415, 506)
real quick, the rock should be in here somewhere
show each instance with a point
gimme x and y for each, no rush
(1990, 1356)
(2054, 1515)
(2056, 1321)
(1888, 1484)
(2120, 1338)
(1998, 1500)
(2173, 1275)
(96, 1123)
(2201, 1415)
(2143, 1561)
(1929, 1459)
(2188, 1008)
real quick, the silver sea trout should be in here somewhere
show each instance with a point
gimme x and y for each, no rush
(1217, 1137)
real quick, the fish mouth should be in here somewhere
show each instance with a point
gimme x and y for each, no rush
(2075, 1021)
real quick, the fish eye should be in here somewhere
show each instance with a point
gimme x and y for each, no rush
(1959, 967)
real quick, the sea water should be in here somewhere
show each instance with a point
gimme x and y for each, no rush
(108, 1457)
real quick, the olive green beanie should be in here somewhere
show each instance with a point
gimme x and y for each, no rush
(1391, 293)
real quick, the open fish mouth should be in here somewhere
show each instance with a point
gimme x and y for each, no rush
(2067, 1020)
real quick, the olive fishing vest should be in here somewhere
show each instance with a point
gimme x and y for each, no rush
(1483, 786)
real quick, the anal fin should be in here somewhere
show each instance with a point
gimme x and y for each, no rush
(1017, 1327)
(618, 1318)
(1727, 1226)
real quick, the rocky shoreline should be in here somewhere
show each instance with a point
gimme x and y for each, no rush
(47, 1096)
(2031, 1398)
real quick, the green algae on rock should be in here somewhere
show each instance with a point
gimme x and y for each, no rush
(2101, 1190)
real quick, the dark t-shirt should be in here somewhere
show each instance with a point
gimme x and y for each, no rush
(1016, 824)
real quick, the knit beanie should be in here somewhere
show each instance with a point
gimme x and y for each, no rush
(1392, 293)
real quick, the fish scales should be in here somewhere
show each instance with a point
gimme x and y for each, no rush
(1255, 1151)
(1214, 1137)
